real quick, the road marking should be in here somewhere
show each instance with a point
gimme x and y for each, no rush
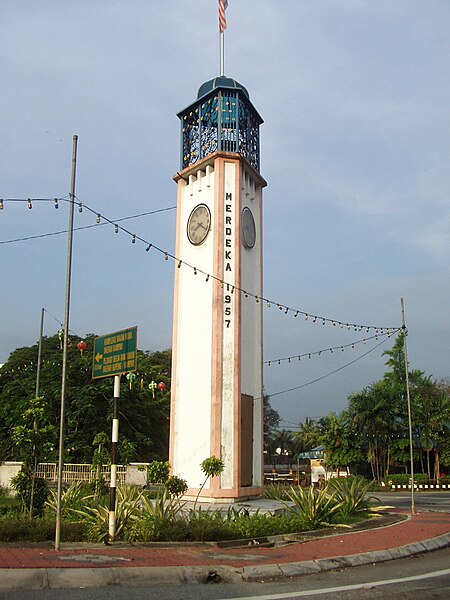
(343, 588)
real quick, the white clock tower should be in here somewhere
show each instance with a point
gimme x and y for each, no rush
(217, 390)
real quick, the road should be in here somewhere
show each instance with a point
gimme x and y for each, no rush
(422, 500)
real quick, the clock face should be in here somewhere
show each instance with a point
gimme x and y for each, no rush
(248, 228)
(198, 225)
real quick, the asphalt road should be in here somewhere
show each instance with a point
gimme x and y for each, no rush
(422, 500)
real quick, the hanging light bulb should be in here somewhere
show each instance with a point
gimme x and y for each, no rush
(56, 202)
(133, 238)
(98, 218)
(80, 207)
(116, 228)
(195, 270)
(1, 204)
(179, 263)
(207, 277)
(29, 203)
(166, 256)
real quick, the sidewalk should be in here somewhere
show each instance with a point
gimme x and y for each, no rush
(77, 565)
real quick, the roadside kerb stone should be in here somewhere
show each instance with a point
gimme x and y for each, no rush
(30, 579)
(307, 567)
(261, 573)
(81, 578)
(400, 552)
(337, 562)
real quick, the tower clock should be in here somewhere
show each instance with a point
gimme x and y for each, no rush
(217, 390)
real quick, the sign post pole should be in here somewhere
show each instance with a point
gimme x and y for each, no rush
(113, 479)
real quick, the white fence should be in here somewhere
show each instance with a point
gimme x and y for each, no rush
(129, 474)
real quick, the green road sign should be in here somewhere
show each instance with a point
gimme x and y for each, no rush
(115, 353)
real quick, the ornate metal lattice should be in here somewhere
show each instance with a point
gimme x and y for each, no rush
(225, 120)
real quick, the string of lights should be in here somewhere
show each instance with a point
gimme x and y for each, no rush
(298, 387)
(298, 357)
(287, 310)
(51, 233)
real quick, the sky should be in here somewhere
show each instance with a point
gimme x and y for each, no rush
(355, 148)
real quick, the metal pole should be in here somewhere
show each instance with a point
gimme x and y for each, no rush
(113, 479)
(38, 370)
(222, 54)
(65, 343)
(408, 398)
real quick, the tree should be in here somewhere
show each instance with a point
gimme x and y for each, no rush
(342, 448)
(144, 416)
(31, 439)
(308, 434)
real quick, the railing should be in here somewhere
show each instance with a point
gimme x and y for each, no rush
(79, 472)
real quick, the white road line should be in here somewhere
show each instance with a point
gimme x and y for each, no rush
(342, 588)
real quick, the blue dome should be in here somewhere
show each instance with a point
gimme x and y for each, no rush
(220, 82)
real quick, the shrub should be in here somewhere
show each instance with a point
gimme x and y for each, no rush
(176, 486)
(76, 497)
(275, 491)
(23, 484)
(158, 471)
(313, 509)
(96, 517)
(21, 529)
(351, 495)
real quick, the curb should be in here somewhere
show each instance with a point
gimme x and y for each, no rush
(34, 579)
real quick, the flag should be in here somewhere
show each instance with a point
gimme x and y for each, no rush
(222, 17)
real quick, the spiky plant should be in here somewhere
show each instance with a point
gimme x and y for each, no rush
(313, 509)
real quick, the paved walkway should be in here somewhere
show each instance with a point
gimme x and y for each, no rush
(96, 565)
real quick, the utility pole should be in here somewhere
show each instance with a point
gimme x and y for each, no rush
(408, 399)
(66, 341)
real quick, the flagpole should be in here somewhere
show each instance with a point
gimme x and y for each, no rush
(223, 4)
(222, 54)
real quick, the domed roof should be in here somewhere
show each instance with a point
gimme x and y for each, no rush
(220, 82)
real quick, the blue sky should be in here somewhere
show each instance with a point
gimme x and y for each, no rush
(355, 149)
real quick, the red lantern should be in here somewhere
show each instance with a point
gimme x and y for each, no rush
(81, 347)
(161, 386)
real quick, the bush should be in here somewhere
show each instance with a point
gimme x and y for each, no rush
(158, 471)
(23, 483)
(313, 509)
(21, 529)
(351, 495)
(405, 479)
(276, 491)
(176, 486)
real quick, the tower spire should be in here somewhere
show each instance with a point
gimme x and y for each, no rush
(222, 26)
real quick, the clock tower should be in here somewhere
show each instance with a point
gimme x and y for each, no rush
(217, 390)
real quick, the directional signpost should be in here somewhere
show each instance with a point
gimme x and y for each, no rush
(114, 354)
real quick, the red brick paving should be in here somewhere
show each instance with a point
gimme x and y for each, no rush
(419, 527)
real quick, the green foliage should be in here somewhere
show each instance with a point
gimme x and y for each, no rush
(176, 486)
(405, 479)
(352, 497)
(143, 419)
(33, 492)
(156, 519)
(275, 491)
(211, 467)
(74, 498)
(313, 509)
(158, 471)
(96, 517)
(20, 529)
